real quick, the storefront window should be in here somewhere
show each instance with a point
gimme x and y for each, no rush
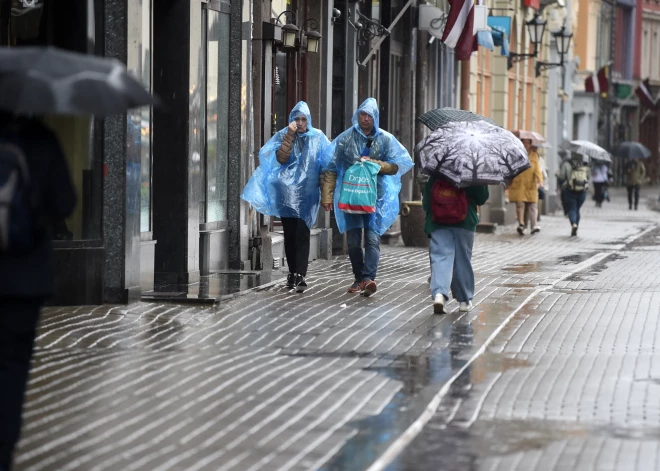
(138, 135)
(40, 23)
(217, 114)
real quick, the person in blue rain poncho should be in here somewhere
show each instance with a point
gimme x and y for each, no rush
(366, 140)
(286, 185)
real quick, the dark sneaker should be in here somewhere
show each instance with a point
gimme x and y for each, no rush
(521, 229)
(356, 287)
(574, 229)
(290, 281)
(301, 285)
(369, 288)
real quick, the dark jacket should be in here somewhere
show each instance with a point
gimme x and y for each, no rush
(477, 196)
(32, 275)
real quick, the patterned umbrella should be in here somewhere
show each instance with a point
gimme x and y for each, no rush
(589, 149)
(37, 80)
(474, 153)
(435, 119)
(633, 150)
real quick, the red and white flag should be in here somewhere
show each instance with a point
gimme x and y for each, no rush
(644, 93)
(599, 82)
(459, 31)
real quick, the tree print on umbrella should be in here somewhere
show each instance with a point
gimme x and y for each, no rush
(472, 153)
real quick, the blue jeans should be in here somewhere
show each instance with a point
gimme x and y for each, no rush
(450, 251)
(574, 201)
(365, 263)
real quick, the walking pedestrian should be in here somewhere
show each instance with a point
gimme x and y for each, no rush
(574, 175)
(287, 184)
(600, 178)
(35, 183)
(635, 175)
(451, 237)
(564, 157)
(365, 140)
(524, 191)
(543, 189)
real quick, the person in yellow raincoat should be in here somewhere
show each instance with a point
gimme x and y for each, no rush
(524, 191)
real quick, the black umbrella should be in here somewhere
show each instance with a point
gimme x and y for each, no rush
(35, 80)
(633, 150)
(475, 153)
(435, 119)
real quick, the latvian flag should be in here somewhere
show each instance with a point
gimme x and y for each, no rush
(599, 82)
(644, 94)
(459, 31)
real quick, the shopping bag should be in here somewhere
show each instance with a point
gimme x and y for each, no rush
(359, 188)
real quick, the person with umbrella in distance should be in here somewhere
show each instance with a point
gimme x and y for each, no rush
(600, 176)
(574, 177)
(461, 160)
(635, 175)
(365, 141)
(36, 193)
(524, 191)
(287, 185)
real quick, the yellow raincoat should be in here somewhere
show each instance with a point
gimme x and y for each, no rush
(525, 186)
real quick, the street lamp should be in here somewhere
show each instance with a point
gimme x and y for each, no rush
(563, 40)
(289, 31)
(535, 31)
(312, 35)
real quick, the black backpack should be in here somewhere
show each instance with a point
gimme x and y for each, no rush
(19, 199)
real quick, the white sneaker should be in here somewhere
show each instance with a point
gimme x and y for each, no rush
(536, 230)
(439, 304)
(465, 307)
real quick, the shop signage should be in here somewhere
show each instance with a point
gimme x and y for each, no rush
(535, 4)
(432, 19)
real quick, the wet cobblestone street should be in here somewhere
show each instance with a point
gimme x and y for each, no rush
(557, 367)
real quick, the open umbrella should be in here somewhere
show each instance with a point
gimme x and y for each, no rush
(473, 153)
(589, 149)
(533, 136)
(437, 118)
(633, 150)
(37, 80)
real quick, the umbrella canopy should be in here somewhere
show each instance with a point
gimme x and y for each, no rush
(473, 153)
(437, 118)
(35, 80)
(588, 149)
(533, 136)
(633, 150)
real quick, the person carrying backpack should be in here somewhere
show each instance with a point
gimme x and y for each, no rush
(451, 221)
(35, 193)
(574, 177)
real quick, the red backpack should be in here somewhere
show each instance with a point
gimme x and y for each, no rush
(449, 205)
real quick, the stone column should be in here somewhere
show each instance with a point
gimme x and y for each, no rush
(177, 146)
(121, 188)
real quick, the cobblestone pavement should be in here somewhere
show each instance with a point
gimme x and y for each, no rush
(571, 383)
(325, 380)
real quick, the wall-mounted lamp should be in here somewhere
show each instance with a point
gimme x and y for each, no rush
(563, 40)
(312, 35)
(289, 30)
(535, 30)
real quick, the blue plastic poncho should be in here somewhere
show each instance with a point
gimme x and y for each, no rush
(346, 150)
(291, 190)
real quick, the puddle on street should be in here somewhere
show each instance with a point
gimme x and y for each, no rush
(210, 288)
